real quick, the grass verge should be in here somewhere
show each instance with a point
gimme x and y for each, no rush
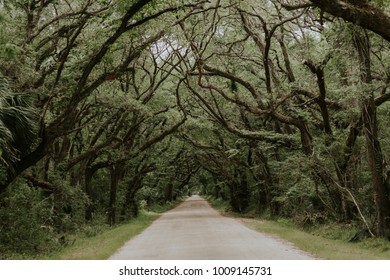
(322, 247)
(105, 243)
(329, 241)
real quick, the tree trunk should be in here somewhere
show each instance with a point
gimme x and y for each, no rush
(168, 192)
(88, 192)
(111, 217)
(370, 125)
(347, 169)
(116, 174)
(265, 199)
(239, 192)
(130, 207)
(376, 162)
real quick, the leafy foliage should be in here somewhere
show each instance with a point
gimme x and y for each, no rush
(26, 232)
(18, 124)
(108, 107)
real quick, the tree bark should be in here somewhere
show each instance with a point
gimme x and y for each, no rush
(360, 13)
(265, 195)
(370, 125)
(376, 162)
(168, 192)
(318, 70)
(116, 173)
(346, 169)
(88, 191)
(130, 207)
(239, 191)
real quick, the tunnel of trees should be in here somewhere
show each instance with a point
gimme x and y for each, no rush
(108, 106)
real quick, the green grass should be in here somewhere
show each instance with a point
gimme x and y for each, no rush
(100, 245)
(103, 245)
(328, 241)
(322, 247)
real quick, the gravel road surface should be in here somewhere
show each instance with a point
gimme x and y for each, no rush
(195, 231)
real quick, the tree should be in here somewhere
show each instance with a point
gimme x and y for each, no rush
(370, 123)
(107, 107)
(285, 89)
(71, 63)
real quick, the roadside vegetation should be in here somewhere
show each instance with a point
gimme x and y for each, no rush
(94, 241)
(329, 241)
(100, 243)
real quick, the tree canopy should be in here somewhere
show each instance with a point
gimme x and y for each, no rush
(279, 107)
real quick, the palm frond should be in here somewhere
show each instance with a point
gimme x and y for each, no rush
(7, 152)
(18, 124)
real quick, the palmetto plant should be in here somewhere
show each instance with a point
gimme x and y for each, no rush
(18, 124)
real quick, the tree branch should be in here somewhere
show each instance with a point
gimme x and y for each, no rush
(363, 14)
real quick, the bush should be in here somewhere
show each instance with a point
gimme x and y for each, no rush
(25, 222)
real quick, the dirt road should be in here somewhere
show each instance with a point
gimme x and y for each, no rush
(195, 231)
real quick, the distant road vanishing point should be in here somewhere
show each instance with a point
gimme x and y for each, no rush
(195, 231)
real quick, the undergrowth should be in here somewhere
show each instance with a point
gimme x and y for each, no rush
(325, 240)
(94, 240)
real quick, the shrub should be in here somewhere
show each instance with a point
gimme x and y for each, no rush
(25, 222)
